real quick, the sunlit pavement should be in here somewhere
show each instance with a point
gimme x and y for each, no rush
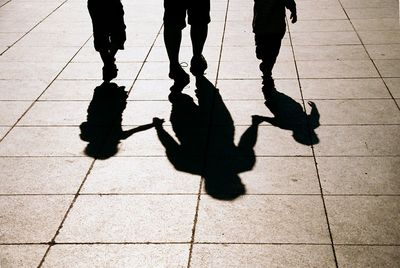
(332, 203)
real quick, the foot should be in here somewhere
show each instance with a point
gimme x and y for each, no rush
(109, 72)
(180, 77)
(198, 65)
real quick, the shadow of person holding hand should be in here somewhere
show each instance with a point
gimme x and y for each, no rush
(102, 128)
(289, 115)
(205, 148)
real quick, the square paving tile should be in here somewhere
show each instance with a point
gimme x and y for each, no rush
(43, 141)
(357, 112)
(261, 256)
(140, 175)
(23, 256)
(152, 218)
(364, 256)
(42, 175)
(394, 86)
(344, 88)
(13, 111)
(21, 90)
(366, 140)
(118, 256)
(262, 219)
(359, 175)
(56, 113)
(364, 219)
(31, 219)
(337, 69)
(282, 175)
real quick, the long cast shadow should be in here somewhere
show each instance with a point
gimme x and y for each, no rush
(102, 129)
(208, 149)
(289, 115)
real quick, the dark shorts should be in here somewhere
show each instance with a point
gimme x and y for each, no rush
(108, 24)
(175, 12)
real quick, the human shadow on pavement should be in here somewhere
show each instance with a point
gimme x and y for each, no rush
(205, 141)
(289, 115)
(102, 128)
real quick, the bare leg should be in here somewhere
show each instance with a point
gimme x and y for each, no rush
(172, 40)
(198, 35)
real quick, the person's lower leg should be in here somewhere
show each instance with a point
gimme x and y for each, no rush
(172, 40)
(198, 35)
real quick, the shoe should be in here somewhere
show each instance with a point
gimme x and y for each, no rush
(180, 77)
(110, 72)
(198, 65)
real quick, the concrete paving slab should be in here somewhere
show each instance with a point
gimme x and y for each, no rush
(359, 175)
(364, 219)
(140, 175)
(55, 113)
(371, 88)
(232, 255)
(358, 140)
(15, 109)
(357, 112)
(130, 219)
(267, 176)
(297, 219)
(31, 219)
(394, 86)
(21, 255)
(43, 141)
(42, 175)
(168, 255)
(360, 256)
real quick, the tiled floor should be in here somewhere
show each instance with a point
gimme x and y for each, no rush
(326, 199)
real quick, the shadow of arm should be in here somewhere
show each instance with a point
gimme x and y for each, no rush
(126, 134)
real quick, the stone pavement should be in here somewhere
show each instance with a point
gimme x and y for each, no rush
(332, 201)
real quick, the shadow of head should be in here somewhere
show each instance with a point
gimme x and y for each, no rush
(102, 129)
(290, 115)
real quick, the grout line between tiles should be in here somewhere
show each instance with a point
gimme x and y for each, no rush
(313, 151)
